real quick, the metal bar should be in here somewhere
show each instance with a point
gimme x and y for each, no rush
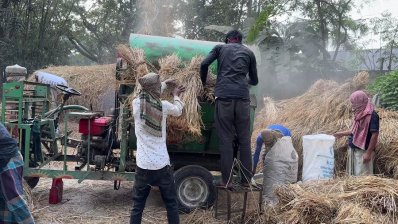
(49, 160)
(35, 83)
(3, 108)
(228, 205)
(89, 175)
(216, 208)
(66, 138)
(88, 144)
(69, 158)
(123, 143)
(261, 201)
(20, 112)
(80, 167)
(27, 146)
(244, 207)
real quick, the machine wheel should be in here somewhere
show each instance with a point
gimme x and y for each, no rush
(32, 181)
(195, 188)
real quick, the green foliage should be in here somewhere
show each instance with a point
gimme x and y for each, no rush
(332, 20)
(31, 33)
(99, 26)
(195, 15)
(387, 87)
(259, 24)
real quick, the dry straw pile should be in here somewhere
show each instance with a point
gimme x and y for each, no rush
(325, 108)
(366, 199)
(96, 83)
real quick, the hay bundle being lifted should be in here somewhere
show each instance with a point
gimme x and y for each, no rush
(171, 67)
(191, 120)
(366, 199)
(325, 108)
(136, 64)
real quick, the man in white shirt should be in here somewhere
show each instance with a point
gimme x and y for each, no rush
(153, 162)
(53, 81)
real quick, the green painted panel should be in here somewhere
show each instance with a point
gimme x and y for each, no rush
(156, 47)
(13, 89)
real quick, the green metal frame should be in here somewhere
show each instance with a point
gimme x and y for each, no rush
(18, 94)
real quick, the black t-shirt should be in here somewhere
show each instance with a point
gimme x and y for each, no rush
(373, 128)
(235, 61)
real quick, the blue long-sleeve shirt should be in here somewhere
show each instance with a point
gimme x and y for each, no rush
(260, 141)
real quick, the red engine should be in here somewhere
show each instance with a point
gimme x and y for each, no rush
(101, 141)
(98, 126)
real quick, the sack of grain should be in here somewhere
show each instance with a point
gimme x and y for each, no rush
(280, 167)
(318, 157)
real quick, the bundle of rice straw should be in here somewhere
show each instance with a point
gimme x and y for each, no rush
(136, 64)
(171, 67)
(325, 108)
(96, 83)
(190, 121)
(136, 67)
(366, 199)
(208, 91)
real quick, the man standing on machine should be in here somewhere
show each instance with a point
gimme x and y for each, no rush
(236, 71)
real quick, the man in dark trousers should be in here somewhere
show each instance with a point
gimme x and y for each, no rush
(153, 161)
(236, 71)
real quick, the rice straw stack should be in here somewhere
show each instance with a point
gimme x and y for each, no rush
(325, 108)
(96, 83)
(366, 199)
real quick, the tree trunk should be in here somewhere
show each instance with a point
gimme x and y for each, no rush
(322, 25)
(240, 13)
(340, 40)
(249, 8)
(381, 64)
(83, 50)
(390, 56)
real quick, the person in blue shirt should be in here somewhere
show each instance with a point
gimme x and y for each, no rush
(268, 137)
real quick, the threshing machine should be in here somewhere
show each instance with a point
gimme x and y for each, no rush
(106, 150)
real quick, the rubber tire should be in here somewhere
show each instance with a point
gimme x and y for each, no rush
(32, 181)
(197, 172)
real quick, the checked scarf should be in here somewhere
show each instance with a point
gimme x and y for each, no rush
(150, 104)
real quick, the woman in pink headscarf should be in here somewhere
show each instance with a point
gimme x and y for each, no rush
(362, 136)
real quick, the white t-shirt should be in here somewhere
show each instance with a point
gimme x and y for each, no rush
(50, 79)
(151, 150)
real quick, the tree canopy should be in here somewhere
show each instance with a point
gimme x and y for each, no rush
(37, 33)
